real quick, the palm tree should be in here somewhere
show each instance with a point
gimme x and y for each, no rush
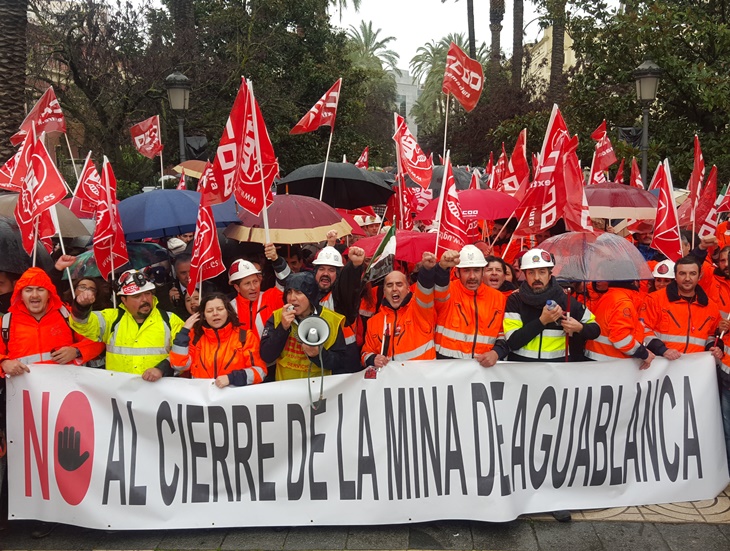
(517, 47)
(556, 13)
(13, 25)
(342, 4)
(496, 14)
(470, 25)
(368, 50)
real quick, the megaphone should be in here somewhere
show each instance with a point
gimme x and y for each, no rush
(313, 331)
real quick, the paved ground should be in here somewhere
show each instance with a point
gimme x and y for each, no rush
(699, 525)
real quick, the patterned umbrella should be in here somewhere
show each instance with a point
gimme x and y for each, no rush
(615, 201)
(292, 219)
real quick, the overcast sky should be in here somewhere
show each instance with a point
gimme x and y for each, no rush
(416, 22)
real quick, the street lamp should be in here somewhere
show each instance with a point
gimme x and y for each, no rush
(178, 92)
(647, 81)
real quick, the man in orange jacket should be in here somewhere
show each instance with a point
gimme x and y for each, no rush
(36, 330)
(681, 315)
(403, 328)
(469, 313)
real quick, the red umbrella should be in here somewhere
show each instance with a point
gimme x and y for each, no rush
(409, 245)
(292, 219)
(482, 204)
(613, 200)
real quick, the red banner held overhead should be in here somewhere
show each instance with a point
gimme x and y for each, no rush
(47, 116)
(146, 137)
(207, 261)
(362, 161)
(323, 113)
(6, 173)
(636, 175)
(518, 171)
(413, 160)
(603, 156)
(619, 178)
(463, 77)
(698, 174)
(89, 191)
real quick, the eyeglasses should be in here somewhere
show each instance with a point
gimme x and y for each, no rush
(82, 288)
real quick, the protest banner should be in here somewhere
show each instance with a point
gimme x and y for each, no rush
(422, 441)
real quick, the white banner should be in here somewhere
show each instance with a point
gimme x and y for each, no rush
(422, 441)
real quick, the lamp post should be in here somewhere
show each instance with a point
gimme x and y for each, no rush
(178, 92)
(647, 81)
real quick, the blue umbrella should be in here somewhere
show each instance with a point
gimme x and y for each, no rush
(166, 213)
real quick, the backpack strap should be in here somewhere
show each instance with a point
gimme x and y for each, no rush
(165, 316)
(120, 313)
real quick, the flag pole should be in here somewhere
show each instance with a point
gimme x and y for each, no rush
(73, 161)
(512, 237)
(400, 179)
(254, 116)
(447, 161)
(54, 217)
(35, 239)
(162, 172)
(78, 179)
(326, 159)
(446, 124)
(110, 206)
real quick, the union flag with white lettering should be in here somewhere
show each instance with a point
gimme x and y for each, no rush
(413, 160)
(463, 77)
(146, 137)
(46, 114)
(323, 113)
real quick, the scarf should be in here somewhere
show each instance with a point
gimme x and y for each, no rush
(538, 300)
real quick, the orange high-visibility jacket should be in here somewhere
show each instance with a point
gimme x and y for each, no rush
(409, 328)
(253, 315)
(468, 322)
(684, 325)
(31, 340)
(622, 332)
(717, 288)
(216, 352)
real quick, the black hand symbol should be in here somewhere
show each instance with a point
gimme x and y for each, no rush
(69, 448)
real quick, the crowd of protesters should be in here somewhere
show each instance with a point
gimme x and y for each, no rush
(488, 302)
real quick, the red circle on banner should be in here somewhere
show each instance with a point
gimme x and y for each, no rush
(73, 463)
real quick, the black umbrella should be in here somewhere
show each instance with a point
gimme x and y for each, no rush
(13, 257)
(345, 186)
(461, 176)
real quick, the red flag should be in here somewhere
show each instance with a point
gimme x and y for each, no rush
(89, 191)
(709, 226)
(237, 166)
(500, 171)
(535, 163)
(655, 179)
(110, 249)
(518, 171)
(724, 205)
(474, 182)
(413, 160)
(323, 112)
(543, 203)
(603, 156)
(556, 129)
(207, 261)
(42, 188)
(210, 191)
(463, 77)
(569, 174)
(452, 227)
(146, 137)
(698, 174)
(402, 204)
(636, 175)
(362, 161)
(46, 114)
(704, 206)
(6, 173)
(181, 185)
(22, 163)
(619, 178)
(666, 225)
(490, 167)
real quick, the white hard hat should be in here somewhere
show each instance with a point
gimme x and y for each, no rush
(240, 269)
(176, 246)
(329, 256)
(664, 269)
(471, 257)
(134, 282)
(366, 220)
(537, 258)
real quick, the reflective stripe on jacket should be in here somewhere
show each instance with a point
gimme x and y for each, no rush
(253, 315)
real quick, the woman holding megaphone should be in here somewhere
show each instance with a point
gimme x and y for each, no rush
(212, 345)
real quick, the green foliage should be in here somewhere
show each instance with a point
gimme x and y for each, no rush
(691, 42)
(368, 51)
